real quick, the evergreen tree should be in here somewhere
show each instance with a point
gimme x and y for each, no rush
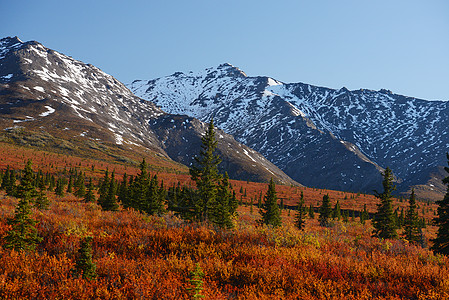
(23, 234)
(185, 204)
(84, 264)
(345, 216)
(411, 223)
(138, 188)
(196, 280)
(42, 201)
(103, 190)
(8, 181)
(109, 201)
(441, 242)
(155, 197)
(52, 183)
(384, 221)
(225, 206)
(123, 191)
(80, 187)
(205, 173)
(270, 212)
(59, 189)
(173, 195)
(401, 219)
(26, 187)
(11, 184)
(300, 214)
(325, 211)
(70, 185)
(311, 212)
(336, 212)
(363, 215)
(89, 196)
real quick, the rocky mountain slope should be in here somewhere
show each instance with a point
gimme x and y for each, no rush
(322, 137)
(53, 100)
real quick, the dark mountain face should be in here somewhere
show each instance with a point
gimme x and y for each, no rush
(338, 139)
(43, 91)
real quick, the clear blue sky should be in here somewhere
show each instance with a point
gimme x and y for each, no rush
(401, 45)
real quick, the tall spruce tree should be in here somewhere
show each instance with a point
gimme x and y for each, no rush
(225, 205)
(70, 185)
(441, 242)
(384, 222)
(123, 191)
(155, 197)
(270, 212)
(89, 196)
(60, 184)
(336, 212)
(110, 201)
(325, 211)
(103, 190)
(300, 218)
(26, 187)
(139, 187)
(311, 212)
(205, 174)
(42, 201)
(23, 234)
(80, 187)
(411, 222)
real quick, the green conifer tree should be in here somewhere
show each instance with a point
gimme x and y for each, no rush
(23, 234)
(42, 201)
(123, 192)
(60, 184)
(70, 185)
(196, 280)
(205, 174)
(345, 216)
(336, 212)
(109, 202)
(103, 190)
(300, 214)
(363, 215)
(155, 197)
(411, 223)
(80, 187)
(325, 211)
(89, 196)
(225, 206)
(311, 212)
(384, 221)
(270, 212)
(26, 187)
(84, 263)
(52, 183)
(441, 242)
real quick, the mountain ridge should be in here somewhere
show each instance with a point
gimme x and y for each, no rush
(382, 128)
(51, 94)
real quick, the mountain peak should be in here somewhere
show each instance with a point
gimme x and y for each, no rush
(231, 69)
(10, 41)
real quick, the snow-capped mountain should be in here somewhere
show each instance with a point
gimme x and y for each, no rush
(321, 137)
(42, 90)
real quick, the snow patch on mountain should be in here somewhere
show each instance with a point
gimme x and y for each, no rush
(379, 127)
(49, 111)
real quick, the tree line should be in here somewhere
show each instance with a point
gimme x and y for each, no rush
(212, 200)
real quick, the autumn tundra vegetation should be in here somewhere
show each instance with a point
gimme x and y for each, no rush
(74, 228)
